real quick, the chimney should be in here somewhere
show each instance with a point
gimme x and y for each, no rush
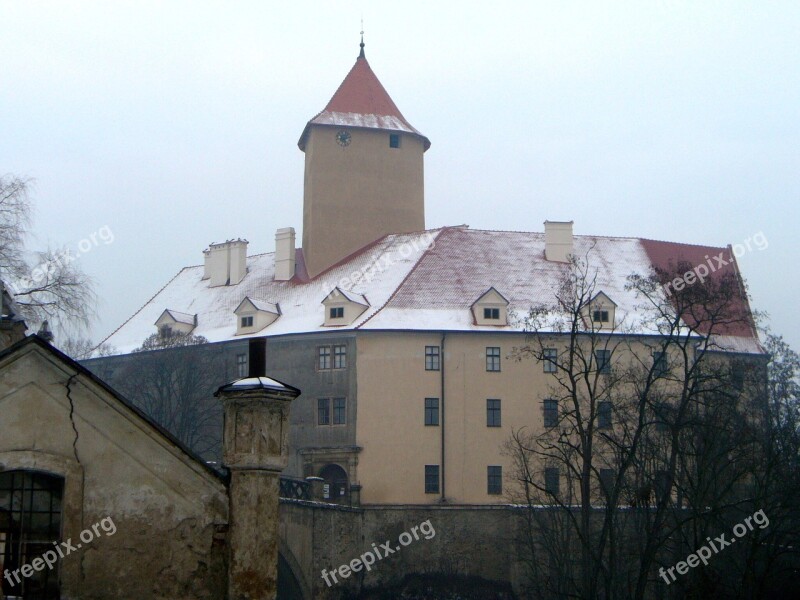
(225, 263)
(284, 254)
(558, 240)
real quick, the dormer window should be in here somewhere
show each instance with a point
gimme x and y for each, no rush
(342, 307)
(600, 312)
(491, 308)
(173, 321)
(254, 315)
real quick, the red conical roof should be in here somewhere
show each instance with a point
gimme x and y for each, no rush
(361, 101)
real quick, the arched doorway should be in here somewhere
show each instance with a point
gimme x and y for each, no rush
(30, 524)
(335, 489)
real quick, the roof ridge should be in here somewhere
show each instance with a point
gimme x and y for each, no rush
(141, 308)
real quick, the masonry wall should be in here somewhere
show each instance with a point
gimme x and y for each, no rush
(478, 541)
(170, 513)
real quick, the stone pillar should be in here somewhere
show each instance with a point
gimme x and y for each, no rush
(255, 441)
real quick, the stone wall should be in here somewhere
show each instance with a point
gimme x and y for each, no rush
(471, 543)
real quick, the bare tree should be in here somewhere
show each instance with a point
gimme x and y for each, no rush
(79, 348)
(171, 378)
(46, 285)
(651, 437)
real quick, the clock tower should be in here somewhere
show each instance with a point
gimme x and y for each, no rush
(363, 171)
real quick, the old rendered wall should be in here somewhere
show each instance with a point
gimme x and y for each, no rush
(170, 512)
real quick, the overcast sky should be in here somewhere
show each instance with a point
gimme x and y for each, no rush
(175, 124)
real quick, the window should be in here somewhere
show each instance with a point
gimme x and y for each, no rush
(337, 312)
(493, 413)
(663, 416)
(604, 414)
(494, 480)
(431, 358)
(491, 313)
(492, 359)
(550, 412)
(551, 480)
(600, 316)
(30, 524)
(324, 358)
(339, 411)
(661, 484)
(323, 411)
(603, 358)
(241, 365)
(431, 479)
(340, 357)
(247, 321)
(550, 356)
(660, 367)
(607, 477)
(394, 140)
(431, 411)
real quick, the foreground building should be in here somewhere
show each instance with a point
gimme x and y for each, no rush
(399, 336)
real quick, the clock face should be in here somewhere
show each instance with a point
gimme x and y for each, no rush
(343, 138)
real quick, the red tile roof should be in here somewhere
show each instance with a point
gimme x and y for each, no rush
(362, 101)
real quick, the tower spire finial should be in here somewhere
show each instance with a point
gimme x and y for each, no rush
(361, 54)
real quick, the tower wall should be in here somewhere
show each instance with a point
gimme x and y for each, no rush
(358, 193)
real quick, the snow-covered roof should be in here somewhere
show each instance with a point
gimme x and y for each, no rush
(260, 305)
(419, 281)
(178, 317)
(347, 295)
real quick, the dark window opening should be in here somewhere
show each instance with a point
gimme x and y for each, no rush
(494, 482)
(492, 359)
(323, 411)
(241, 365)
(30, 524)
(431, 358)
(394, 140)
(491, 313)
(550, 412)
(247, 321)
(339, 411)
(604, 414)
(340, 357)
(660, 366)
(337, 312)
(493, 413)
(324, 358)
(550, 356)
(603, 359)
(432, 411)
(431, 479)
(552, 479)
(600, 316)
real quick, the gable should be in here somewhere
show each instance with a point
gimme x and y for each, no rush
(43, 402)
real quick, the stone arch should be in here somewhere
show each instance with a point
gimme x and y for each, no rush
(292, 584)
